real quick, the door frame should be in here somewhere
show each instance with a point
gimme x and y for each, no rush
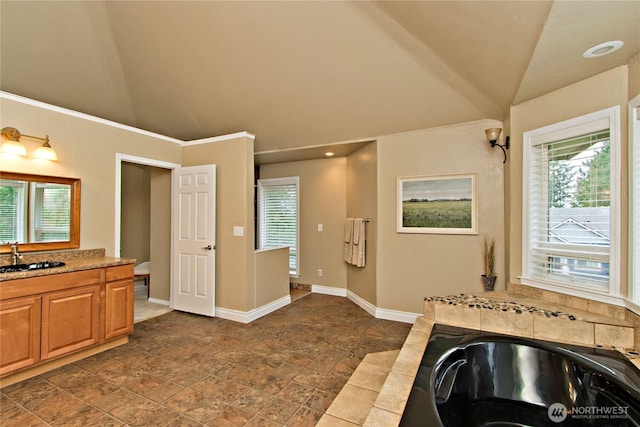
(120, 157)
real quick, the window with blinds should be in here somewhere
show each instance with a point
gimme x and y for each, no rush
(52, 213)
(570, 204)
(278, 216)
(12, 211)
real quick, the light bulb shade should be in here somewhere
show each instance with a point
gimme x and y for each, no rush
(45, 152)
(13, 147)
(493, 134)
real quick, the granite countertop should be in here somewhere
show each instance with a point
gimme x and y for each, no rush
(74, 261)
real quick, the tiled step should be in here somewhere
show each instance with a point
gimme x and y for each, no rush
(352, 405)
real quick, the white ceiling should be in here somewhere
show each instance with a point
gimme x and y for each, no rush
(303, 73)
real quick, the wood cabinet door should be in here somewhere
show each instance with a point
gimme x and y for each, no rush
(118, 308)
(19, 334)
(70, 320)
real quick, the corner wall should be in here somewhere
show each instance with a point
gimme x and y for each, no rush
(160, 239)
(362, 202)
(135, 212)
(86, 149)
(323, 200)
(596, 93)
(235, 287)
(413, 266)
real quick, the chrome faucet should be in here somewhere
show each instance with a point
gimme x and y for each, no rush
(15, 254)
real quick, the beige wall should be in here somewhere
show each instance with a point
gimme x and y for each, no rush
(272, 275)
(86, 150)
(413, 266)
(235, 287)
(323, 200)
(135, 212)
(634, 77)
(596, 93)
(362, 202)
(160, 234)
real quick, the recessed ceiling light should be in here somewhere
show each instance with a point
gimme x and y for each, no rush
(329, 153)
(603, 49)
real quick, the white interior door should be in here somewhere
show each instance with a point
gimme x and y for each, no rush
(194, 239)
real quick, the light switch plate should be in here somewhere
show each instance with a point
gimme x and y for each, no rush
(238, 230)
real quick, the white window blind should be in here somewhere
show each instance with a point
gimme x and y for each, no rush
(52, 204)
(570, 207)
(278, 216)
(12, 211)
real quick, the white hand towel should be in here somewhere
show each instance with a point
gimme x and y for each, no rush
(356, 230)
(348, 240)
(348, 229)
(358, 256)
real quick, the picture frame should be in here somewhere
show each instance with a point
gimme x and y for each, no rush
(440, 204)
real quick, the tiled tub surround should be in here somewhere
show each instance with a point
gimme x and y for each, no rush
(499, 312)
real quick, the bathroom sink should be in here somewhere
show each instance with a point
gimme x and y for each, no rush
(30, 267)
(471, 378)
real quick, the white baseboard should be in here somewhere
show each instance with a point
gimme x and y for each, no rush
(158, 301)
(378, 313)
(362, 303)
(383, 313)
(256, 313)
(328, 290)
(397, 316)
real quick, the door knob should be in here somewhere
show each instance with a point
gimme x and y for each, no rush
(208, 247)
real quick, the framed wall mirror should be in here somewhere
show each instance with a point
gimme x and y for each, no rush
(39, 212)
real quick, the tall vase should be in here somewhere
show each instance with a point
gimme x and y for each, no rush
(489, 282)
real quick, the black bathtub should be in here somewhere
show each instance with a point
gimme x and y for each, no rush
(470, 378)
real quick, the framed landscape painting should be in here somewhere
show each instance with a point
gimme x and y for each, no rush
(444, 204)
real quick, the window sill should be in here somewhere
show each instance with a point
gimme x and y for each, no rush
(576, 291)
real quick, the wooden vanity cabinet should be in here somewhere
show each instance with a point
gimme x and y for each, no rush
(19, 333)
(46, 317)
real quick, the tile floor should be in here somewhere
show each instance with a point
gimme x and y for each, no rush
(185, 370)
(144, 309)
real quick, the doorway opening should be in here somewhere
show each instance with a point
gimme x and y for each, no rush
(143, 229)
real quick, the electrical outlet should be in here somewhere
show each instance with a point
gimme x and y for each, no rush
(320, 228)
(319, 272)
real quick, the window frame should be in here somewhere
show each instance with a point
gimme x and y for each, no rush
(557, 131)
(634, 202)
(273, 182)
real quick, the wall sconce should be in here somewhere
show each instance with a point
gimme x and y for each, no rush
(12, 145)
(492, 136)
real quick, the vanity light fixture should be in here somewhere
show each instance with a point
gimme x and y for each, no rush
(492, 136)
(12, 144)
(45, 151)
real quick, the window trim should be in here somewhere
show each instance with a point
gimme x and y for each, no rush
(555, 132)
(634, 202)
(270, 182)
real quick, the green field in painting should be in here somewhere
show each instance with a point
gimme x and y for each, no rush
(437, 214)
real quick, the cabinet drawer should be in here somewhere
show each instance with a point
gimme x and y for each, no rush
(54, 282)
(119, 272)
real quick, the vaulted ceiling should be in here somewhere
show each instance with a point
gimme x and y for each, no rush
(303, 73)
